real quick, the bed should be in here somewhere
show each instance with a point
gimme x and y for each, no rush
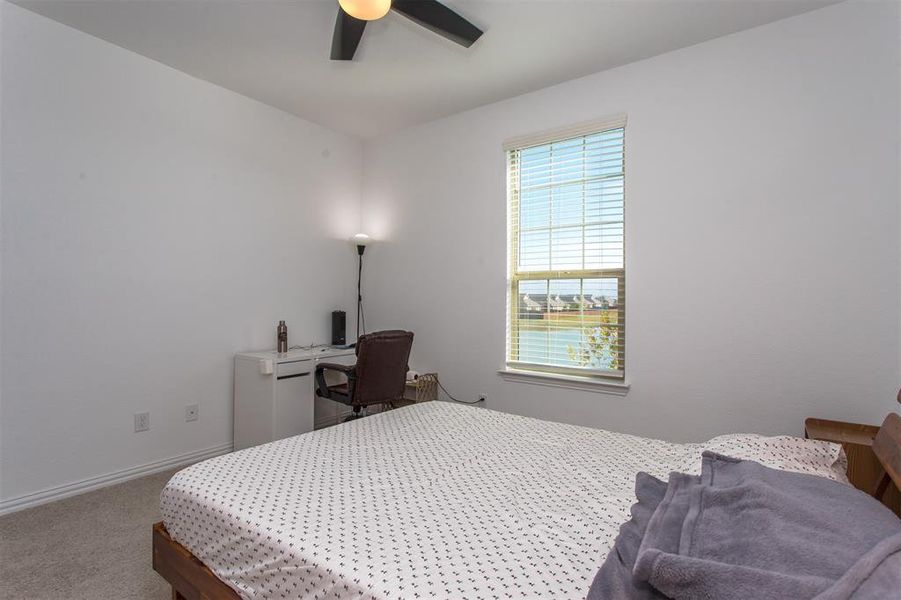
(434, 500)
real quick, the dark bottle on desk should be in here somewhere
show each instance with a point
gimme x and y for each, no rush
(282, 337)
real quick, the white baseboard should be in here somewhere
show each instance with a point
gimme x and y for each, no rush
(86, 485)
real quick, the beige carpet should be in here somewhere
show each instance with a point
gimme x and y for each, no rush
(93, 546)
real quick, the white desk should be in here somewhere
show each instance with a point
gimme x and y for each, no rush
(275, 397)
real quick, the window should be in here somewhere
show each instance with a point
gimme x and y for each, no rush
(566, 293)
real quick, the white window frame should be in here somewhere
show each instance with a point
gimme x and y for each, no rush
(544, 373)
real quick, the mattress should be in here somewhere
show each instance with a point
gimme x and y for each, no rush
(435, 500)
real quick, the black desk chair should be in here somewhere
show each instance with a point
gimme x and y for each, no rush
(378, 377)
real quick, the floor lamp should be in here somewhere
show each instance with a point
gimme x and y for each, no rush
(361, 240)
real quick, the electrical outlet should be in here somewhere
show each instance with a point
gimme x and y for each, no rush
(482, 397)
(142, 422)
(192, 412)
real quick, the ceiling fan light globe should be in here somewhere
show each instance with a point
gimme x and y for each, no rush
(366, 10)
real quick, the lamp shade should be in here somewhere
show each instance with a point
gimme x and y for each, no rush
(367, 10)
(361, 239)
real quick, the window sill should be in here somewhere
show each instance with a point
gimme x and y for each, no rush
(589, 384)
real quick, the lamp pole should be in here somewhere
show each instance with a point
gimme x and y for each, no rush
(360, 250)
(360, 241)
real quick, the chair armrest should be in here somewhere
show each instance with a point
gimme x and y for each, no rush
(346, 369)
(322, 389)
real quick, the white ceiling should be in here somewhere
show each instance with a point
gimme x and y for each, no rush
(277, 50)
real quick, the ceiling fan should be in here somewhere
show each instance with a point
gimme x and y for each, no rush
(431, 14)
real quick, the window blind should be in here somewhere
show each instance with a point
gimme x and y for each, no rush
(566, 276)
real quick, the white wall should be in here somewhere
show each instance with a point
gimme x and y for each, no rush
(153, 224)
(762, 232)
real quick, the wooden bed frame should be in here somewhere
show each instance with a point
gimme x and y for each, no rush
(192, 580)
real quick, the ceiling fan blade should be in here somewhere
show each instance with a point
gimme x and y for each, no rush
(440, 19)
(346, 38)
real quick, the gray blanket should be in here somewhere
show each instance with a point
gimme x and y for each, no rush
(743, 531)
(746, 531)
(877, 575)
(614, 580)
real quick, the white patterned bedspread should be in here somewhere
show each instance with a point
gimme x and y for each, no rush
(434, 500)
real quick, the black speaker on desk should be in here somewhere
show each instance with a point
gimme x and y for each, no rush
(339, 326)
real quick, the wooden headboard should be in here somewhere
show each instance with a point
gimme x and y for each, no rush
(866, 471)
(887, 448)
